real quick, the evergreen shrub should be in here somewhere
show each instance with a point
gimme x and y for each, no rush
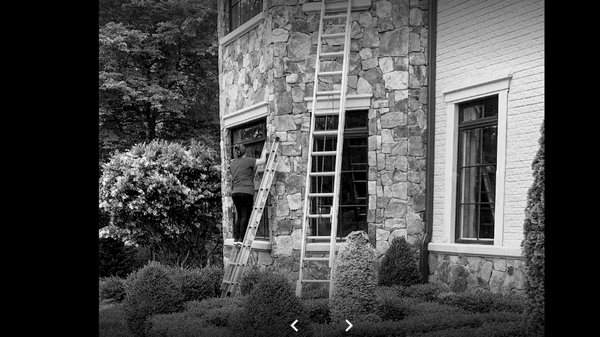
(485, 302)
(533, 244)
(112, 288)
(249, 280)
(197, 284)
(355, 280)
(270, 308)
(149, 291)
(399, 265)
(318, 310)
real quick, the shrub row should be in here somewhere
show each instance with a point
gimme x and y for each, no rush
(485, 302)
(112, 288)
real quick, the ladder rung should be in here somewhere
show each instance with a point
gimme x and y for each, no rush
(333, 35)
(330, 73)
(331, 92)
(335, 16)
(316, 259)
(318, 237)
(327, 113)
(318, 216)
(316, 280)
(320, 194)
(332, 54)
(324, 153)
(325, 133)
(322, 174)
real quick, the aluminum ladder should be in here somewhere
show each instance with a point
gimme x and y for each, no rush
(321, 195)
(240, 255)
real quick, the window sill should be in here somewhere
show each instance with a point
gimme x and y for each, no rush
(257, 244)
(476, 250)
(357, 5)
(243, 29)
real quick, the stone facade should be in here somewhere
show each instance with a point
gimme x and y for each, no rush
(274, 62)
(463, 273)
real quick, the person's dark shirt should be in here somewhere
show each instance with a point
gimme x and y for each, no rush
(242, 171)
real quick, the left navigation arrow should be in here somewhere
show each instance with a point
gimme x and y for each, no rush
(293, 327)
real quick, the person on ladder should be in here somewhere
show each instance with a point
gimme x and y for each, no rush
(242, 172)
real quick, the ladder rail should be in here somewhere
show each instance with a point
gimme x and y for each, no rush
(340, 147)
(310, 146)
(239, 261)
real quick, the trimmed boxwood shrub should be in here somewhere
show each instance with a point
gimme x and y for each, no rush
(149, 291)
(496, 329)
(422, 291)
(318, 310)
(270, 308)
(354, 281)
(197, 284)
(112, 288)
(485, 302)
(249, 280)
(399, 265)
(210, 317)
(534, 244)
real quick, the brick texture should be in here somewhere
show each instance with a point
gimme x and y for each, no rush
(476, 38)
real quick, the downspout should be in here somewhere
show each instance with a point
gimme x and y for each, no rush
(431, 51)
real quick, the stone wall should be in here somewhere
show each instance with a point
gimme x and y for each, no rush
(274, 62)
(463, 273)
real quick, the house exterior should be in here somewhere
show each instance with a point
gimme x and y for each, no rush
(425, 77)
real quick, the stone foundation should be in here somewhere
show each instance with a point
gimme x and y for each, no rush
(462, 273)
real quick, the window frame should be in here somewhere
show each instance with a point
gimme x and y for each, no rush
(465, 91)
(477, 124)
(263, 230)
(228, 10)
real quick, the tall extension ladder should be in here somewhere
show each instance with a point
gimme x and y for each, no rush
(239, 255)
(321, 197)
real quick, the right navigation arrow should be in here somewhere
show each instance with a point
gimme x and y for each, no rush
(349, 325)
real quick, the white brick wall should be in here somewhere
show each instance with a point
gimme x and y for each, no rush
(476, 38)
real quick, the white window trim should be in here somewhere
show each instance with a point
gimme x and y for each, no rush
(353, 102)
(463, 92)
(257, 244)
(245, 115)
(244, 28)
(357, 5)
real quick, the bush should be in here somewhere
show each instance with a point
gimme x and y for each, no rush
(249, 280)
(318, 310)
(354, 280)
(112, 288)
(534, 244)
(485, 302)
(112, 322)
(150, 291)
(399, 265)
(496, 329)
(423, 291)
(197, 284)
(270, 308)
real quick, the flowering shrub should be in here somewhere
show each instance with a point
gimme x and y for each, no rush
(165, 196)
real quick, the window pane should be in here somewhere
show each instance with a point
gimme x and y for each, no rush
(235, 16)
(486, 222)
(469, 185)
(356, 119)
(488, 190)
(470, 145)
(486, 107)
(468, 221)
(489, 144)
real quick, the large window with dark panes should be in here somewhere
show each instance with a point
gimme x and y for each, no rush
(240, 11)
(352, 211)
(253, 137)
(477, 157)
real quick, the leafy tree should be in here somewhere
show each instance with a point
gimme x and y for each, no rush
(534, 243)
(115, 258)
(166, 197)
(158, 72)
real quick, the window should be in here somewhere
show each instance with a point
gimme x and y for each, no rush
(241, 11)
(352, 212)
(476, 170)
(253, 137)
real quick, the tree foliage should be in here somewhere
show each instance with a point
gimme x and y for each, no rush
(534, 244)
(158, 72)
(167, 197)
